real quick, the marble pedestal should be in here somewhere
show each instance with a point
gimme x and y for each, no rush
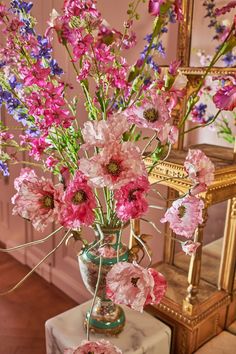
(143, 333)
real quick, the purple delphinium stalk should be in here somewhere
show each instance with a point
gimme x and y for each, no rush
(4, 168)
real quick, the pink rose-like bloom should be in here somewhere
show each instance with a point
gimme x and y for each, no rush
(190, 247)
(99, 347)
(101, 133)
(152, 114)
(37, 199)
(134, 286)
(116, 165)
(225, 98)
(185, 215)
(200, 170)
(79, 203)
(131, 200)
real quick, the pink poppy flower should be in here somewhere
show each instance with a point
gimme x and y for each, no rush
(225, 98)
(223, 10)
(184, 215)
(79, 203)
(134, 286)
(131, 200)
(200, 170)
(152, 114)
(190, 247)
(168, 134)
(116, 165)
(97, 347)
(37, 199)
(103, 132)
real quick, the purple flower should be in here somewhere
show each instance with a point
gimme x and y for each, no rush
(44, 50)
(55, 68)
(2, 63)
(21, 6)
(4, 168)
(160, 48)
(33, 131)
(229, 59)
(13, 82)
(199, 113)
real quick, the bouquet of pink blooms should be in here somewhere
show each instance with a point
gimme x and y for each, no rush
(101, 178)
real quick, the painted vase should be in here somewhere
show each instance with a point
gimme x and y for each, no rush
(106, 318)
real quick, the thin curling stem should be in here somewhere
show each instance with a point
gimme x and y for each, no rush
(144, 247)
(35, 267)
(28, 244)
(94, 296)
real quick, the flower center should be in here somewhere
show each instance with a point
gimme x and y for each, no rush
(151, 115)
(113, 168)
(132, 195)
(182, 211)
(134, 281)
(79, 197)
(48, 201)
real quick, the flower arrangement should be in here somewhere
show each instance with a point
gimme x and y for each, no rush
(101, 179)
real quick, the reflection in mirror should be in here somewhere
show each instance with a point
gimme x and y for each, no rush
(212, 246)
(220, 126)
(208, 32)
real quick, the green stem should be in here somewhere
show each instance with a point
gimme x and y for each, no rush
(203, 125)
(216, 57)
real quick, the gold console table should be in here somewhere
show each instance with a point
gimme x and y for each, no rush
(195, 308)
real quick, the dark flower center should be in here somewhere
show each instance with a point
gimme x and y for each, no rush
(182, 211)
(113, 168)
(48, 201)
(132, 196)
(151, 115)
(79, 197)
(134, 281)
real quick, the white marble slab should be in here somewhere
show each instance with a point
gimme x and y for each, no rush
(143, 333)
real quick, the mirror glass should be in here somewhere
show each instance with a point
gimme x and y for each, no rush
(208, 31)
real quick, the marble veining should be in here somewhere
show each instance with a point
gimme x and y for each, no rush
(143, 333)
